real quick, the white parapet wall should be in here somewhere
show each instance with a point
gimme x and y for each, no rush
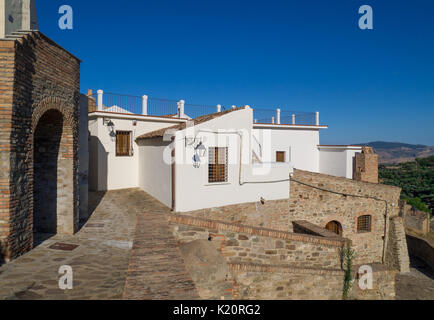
(338, 160)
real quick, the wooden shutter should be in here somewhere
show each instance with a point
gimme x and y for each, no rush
(280, 156)
(123, 143)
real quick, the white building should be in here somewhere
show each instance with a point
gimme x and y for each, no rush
(221, 158)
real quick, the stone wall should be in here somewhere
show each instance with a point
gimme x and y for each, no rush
(320, 199)
(244, 244)
(281, 283)
(397, 252)
(36, 76)
(309, 201)
(272, 214)
(421, 248)
(243, 262)
(415, 220)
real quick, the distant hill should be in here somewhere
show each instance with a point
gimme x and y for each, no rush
(396, 152)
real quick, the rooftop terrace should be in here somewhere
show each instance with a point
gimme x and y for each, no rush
(150, 106)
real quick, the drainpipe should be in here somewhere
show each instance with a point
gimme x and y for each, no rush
(173, 174)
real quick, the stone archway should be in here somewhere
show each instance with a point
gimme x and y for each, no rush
(55, 202)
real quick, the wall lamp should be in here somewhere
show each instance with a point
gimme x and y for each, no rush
(200, 149)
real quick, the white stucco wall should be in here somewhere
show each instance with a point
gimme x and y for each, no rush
(110, 172)
(300, 146)
(193, 191)
(93, 154)
(337, 160)
(155, 175)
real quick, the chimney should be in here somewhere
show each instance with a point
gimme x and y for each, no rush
(17, 15)
(366, 166)
(91, 101)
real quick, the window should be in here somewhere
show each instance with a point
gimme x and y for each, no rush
(123, 144)
(364, 224)
(280, 156)
(218, 165)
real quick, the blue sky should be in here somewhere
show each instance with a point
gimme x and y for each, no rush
(305, 55)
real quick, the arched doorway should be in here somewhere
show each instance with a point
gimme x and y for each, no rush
(334, 226)
(53, 178)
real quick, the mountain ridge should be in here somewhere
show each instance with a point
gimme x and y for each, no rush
(398, 152)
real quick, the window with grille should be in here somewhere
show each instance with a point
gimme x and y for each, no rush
(123, 144)
(280, 156)
(218, 165)
(364, 224)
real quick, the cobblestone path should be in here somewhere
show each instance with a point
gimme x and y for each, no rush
(157, 270)
(416, 285)
(99, 263)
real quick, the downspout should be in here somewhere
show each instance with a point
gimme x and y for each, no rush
(173, 173)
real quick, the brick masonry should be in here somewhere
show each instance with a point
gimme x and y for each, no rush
(366, 166)
(39, 84)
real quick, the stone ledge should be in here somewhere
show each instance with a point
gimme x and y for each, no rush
(313, 229)
(223, 226)
(250, 267)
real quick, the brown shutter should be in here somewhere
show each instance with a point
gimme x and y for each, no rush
(123, 143)
(280, 156)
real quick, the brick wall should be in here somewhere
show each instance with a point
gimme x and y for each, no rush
(366, 166)
(36, 75)
(91, 101)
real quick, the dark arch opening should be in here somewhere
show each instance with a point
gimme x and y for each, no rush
(46, 145)
(334, 226)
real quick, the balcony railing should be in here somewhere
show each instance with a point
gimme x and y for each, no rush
(279, 116)
(149, 106)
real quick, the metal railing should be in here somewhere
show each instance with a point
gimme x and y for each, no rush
(144, 105)
(162, 107)
(122, 103)
(279, 116)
